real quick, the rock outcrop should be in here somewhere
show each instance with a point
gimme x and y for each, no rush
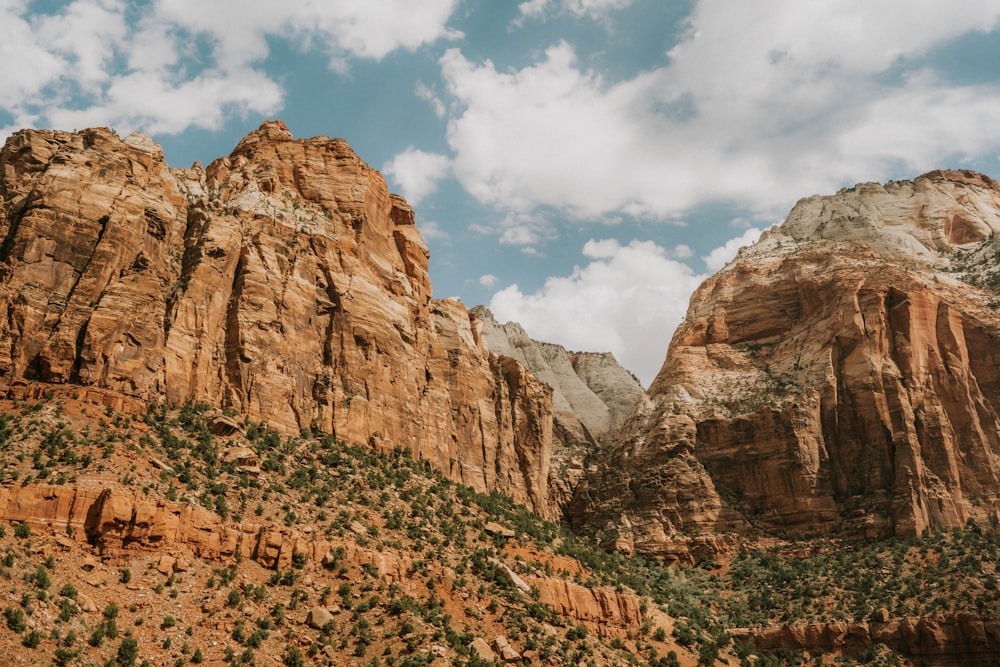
(841, 376)
(283, 282)
(121, 523)
(949, 641)
(592, 395)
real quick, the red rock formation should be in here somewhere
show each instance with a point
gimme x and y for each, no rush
(283, 281)
(841, 375)
(121, 523)
(953, 641)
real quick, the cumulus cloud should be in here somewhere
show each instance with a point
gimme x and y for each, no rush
(627, 299)
(759, 103)
(594, 9)
(417, 173)
(360, 29)
(432, 230)
(488, 280)
(170, 65)
(720, 256)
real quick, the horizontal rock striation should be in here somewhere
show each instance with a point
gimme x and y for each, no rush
(950, 641)
(121, 523)
(282, 281)
(841, 376)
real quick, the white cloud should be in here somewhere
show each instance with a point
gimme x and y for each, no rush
(526, 230)
(683, 251)
(532, 9)
(720, 256)
(349, 27)
(594, 9)
(173, 64)
(147, 101)
(626, 300)
(29, 65)
(760, 103)
(488, 280)
(427, 94)
(520, 235)
(87, 34)
(431, 230)
(417, 172)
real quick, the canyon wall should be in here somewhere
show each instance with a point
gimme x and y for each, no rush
(839, 377)
(283, 282)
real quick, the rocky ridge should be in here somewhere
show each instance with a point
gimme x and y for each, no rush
(838, 377)
(282, 282)
(592, 395)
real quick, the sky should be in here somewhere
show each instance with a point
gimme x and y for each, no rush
(579, 166)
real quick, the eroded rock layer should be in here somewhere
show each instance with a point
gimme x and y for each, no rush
(591, 395)
(120, 523)
(839, 376)
(283, 281)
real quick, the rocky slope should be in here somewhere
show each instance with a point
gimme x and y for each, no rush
(282, 282)
(253, 547)
(954, 641)
(840, 376)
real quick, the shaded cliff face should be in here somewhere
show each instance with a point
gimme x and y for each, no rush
(839, 376)
(283, 282)
(591, 395)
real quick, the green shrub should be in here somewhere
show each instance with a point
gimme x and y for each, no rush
(128, 651)
(293, 657)
(15, 619)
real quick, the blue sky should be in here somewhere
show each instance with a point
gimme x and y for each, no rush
(578, 165)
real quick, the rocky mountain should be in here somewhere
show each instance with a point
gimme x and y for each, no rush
(592, 395)
(233, 418)
(840, 377)
(282, 282)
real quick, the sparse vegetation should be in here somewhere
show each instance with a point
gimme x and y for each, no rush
(432, 533)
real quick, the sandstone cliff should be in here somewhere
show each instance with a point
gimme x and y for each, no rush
(283, 282)
(839, 376)
(591, 395)
(950, 641)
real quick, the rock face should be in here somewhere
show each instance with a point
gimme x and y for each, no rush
(951, 641)
(591, 395)
(283, 282)
(841, 376)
